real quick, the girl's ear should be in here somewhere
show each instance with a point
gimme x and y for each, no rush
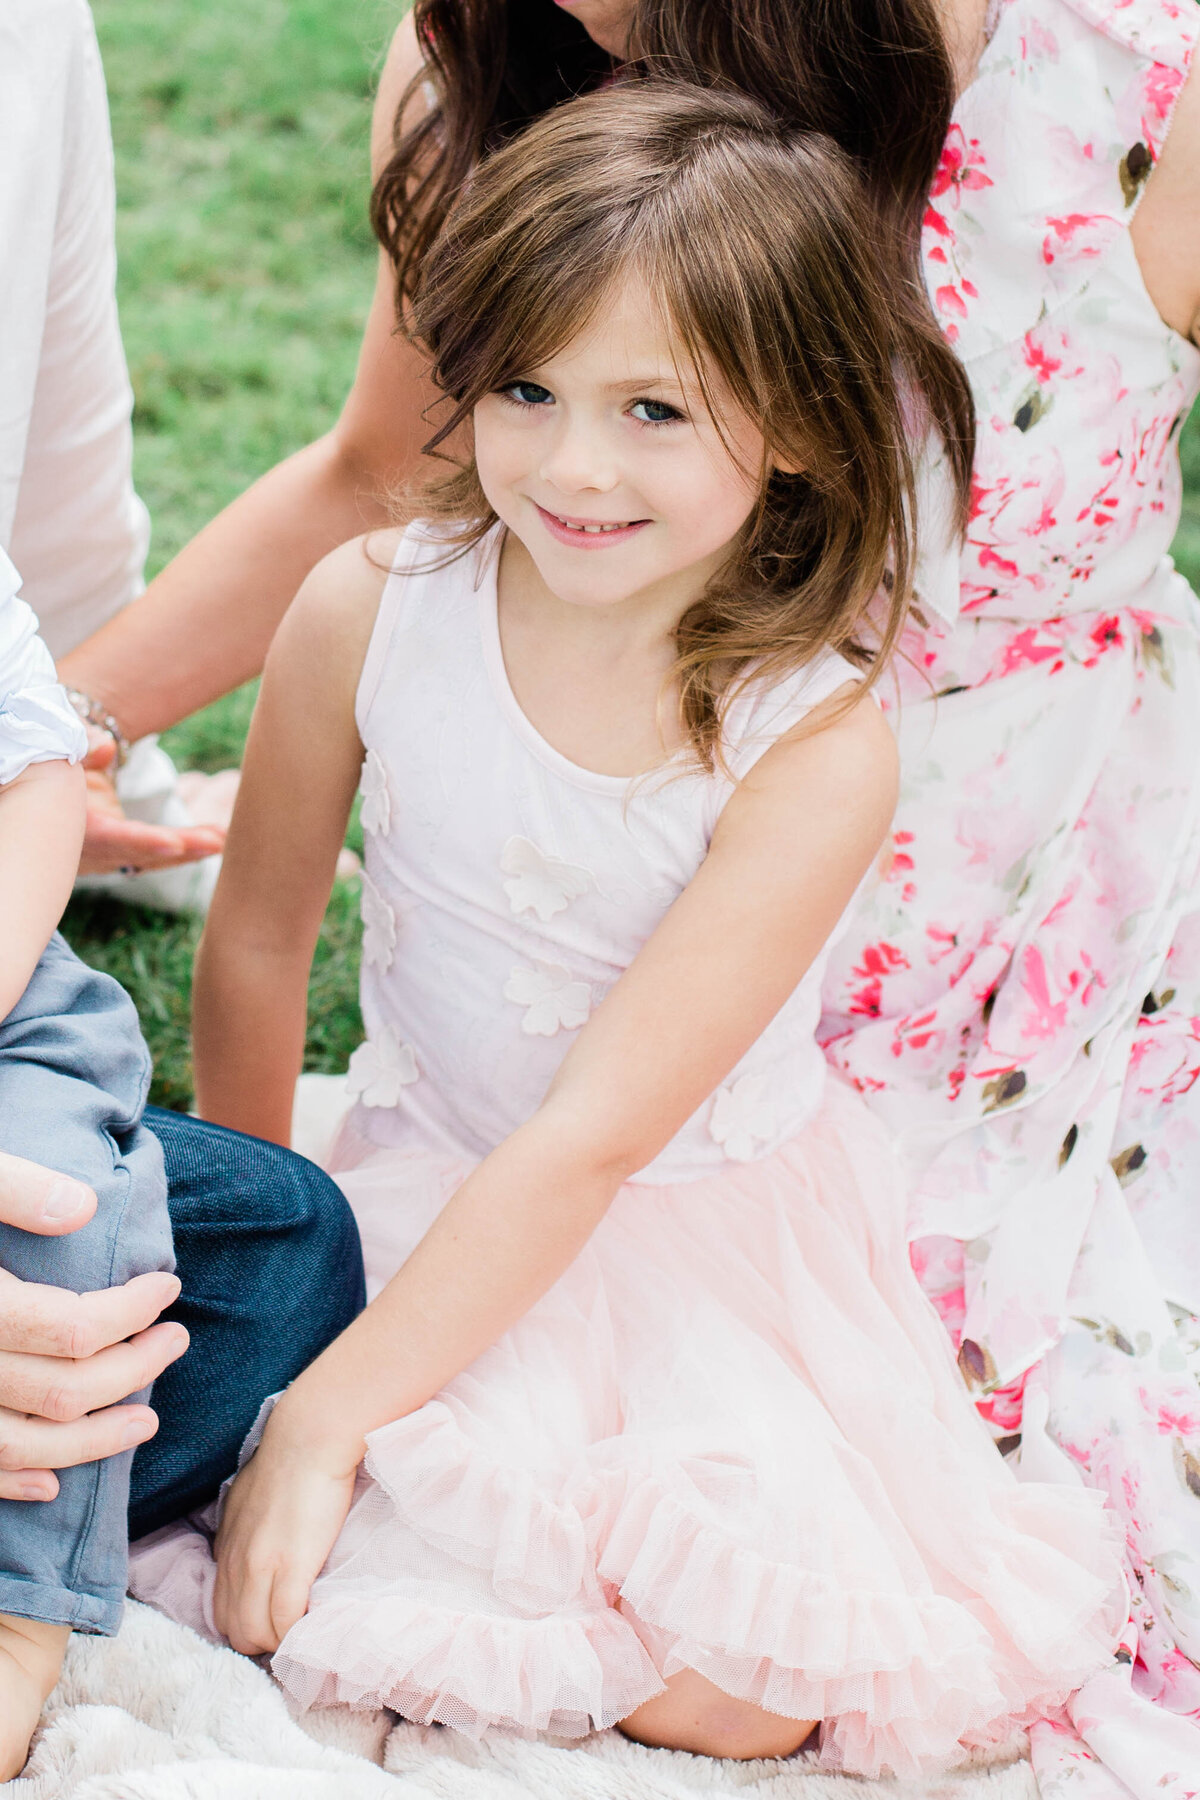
(778, 467)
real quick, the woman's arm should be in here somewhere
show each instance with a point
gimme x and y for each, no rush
(303, 758)
(787, 855)
(1166, 229)
(204, 625)
(41, 829)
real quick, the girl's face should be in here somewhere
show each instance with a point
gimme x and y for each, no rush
(607, 22)
(606, 463)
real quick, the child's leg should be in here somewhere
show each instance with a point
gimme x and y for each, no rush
(73, 1075)
(696, 1715)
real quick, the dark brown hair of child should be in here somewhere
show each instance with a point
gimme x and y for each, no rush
(754, 240)
(873, 75)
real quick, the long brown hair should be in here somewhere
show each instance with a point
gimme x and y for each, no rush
(755, 241)
(873, 75)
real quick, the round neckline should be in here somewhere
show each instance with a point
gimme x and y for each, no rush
(518, 720)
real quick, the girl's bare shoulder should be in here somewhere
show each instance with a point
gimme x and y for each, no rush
(334, 612)
(844, 769)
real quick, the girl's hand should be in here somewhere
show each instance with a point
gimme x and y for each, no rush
(281, 1518)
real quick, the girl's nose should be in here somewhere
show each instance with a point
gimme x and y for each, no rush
(577, 461)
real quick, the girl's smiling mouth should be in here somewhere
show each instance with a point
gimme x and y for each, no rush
(588, 534)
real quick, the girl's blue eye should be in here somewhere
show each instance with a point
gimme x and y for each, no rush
(654, 412)
(528, 393)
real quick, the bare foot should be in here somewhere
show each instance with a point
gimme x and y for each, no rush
(31, 1657)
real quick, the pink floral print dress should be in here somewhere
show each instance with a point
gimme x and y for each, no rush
(1020, 996)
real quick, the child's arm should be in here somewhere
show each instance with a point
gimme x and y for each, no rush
(41, 832)
(790, 848)
(303, 758)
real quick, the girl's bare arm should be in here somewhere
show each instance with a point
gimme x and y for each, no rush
(204, 625)
(41, 829)
(786, 858)
(252, 968)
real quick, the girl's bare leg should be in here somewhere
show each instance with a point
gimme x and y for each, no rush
(695, 1715)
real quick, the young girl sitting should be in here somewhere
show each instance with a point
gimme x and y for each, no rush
(656, 1427)
(73, 1077)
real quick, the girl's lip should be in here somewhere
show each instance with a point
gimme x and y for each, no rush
(569, 533)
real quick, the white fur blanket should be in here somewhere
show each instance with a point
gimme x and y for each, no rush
(158, 1714)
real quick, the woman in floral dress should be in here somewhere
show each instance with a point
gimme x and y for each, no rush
(1021, 997)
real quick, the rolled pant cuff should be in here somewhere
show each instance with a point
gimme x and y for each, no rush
(59, 1606)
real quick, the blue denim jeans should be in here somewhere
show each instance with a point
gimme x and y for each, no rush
(73, 1077)
(268, 1253)
(265, 1246)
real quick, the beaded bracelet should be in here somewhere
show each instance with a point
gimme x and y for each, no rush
(92, 713)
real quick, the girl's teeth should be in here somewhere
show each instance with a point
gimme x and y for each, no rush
(593, 529)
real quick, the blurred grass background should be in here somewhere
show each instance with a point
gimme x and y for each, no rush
(245, 272)
(246, 268)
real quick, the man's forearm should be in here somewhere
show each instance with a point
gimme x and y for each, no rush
(204, 625)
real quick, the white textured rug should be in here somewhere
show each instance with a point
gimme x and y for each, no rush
(157, 1714)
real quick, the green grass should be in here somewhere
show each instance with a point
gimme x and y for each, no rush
(245, 272)
(246, 268)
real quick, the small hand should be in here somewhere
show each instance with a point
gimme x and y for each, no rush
(66, 1358)
(112, 842)
(281, 1518)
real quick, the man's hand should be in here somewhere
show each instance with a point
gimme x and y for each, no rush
(281, 1518)
(66, 1359)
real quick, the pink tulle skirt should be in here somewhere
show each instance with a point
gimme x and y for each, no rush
(732, 1439)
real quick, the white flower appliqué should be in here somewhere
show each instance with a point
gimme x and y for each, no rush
(555, 1000)
(744, 1118)
(376, 814)
(379, 926)
(380, 1068)
(540, 884)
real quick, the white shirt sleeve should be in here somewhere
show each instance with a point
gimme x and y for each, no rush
(37, 721)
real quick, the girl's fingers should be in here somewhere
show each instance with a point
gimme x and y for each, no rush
(289, 1602)
(242, 1610)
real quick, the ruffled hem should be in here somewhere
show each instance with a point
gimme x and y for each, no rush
(562, 1676)
(902, 1681)
(594, 1504)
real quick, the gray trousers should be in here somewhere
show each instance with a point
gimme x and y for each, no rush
(74, 1071)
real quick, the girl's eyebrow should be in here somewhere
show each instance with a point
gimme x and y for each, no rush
(630, 382)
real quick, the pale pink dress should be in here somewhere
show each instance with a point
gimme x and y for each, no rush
(1020, 1000)
(731, 1437)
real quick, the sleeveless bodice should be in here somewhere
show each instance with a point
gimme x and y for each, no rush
(506, 889)
(1081, 388)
